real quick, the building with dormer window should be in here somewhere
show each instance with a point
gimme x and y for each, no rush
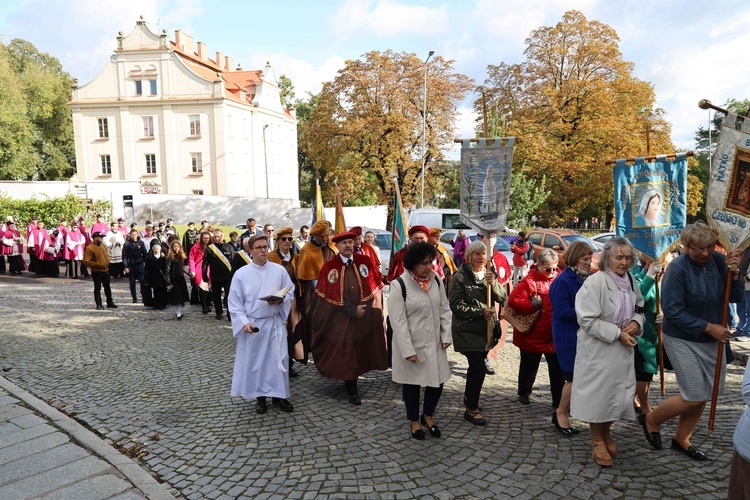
(162, 112)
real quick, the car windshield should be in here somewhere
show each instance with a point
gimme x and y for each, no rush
(502, 245)
(570, 238)
(383, 241)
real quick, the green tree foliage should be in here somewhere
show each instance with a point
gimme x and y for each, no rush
(36, 128)
(286, 91)
(573, 103)
(307, 172)
(51, 210)
(367, 125)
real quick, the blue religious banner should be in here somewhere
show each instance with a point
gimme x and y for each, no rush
(485, 183)
(728, 199)
(650, 202)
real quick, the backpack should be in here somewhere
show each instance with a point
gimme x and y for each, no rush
(530, 254)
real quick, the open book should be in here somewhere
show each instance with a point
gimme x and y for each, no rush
(278, 295)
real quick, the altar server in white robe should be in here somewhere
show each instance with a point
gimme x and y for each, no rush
(261, 365)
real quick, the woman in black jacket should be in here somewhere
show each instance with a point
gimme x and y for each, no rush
(156, 274)
(177, 289)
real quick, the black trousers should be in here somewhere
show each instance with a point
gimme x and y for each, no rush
(101, 278)
(74, 267)
(216, 287)
(527, 374)
(136, 273)
(2, 263)
(474, 377)
(411, 400)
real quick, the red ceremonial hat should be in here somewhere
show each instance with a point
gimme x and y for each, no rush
(356, 230)
(346, 235)
(419, 229)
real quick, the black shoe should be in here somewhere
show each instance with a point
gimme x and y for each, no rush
(418, 434)
(206, 311)
(691, 451)
(472, 417)
(219, 316)
(112, 305)
(524, 399)
(293, 373)
(565, 431)
(434, 430)
(355, 399)
(260, 405)
(135, 301)
(283, 404)
(487, 369)
(99, 307)
(654, 438)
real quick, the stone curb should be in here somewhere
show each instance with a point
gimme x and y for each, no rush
(140, 479)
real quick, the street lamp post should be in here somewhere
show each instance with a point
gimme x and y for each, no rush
(424, 123)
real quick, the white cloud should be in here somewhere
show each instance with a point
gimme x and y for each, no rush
(388, 19)
(305, 77)
(82, 33)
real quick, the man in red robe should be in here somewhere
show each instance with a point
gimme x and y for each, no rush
(365, 248)
(348, 338)
(417, 234)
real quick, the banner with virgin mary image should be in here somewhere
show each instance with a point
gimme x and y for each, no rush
(485, 183)
(650, 202)
(728, 199)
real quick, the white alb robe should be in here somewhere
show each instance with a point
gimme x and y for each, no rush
(262, 359)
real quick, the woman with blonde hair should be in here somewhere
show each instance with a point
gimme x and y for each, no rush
(692, 301)
(468, 302)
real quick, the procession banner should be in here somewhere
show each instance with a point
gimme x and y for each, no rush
(728, 200)
(650, 202)
(317, 208)
(485, 183)
(399, 231)
(339, 222)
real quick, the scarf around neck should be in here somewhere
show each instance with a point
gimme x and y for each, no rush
(624, 305)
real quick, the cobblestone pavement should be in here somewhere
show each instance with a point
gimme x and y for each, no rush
(159, 389)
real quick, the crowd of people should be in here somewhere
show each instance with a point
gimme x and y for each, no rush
(318, 296)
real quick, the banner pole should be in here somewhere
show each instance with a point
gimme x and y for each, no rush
(488, 269)
(720, 352)
(661, 342)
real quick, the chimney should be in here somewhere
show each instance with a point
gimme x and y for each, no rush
(229, 64)
(220, 60)
(178, 39)
(202, 52)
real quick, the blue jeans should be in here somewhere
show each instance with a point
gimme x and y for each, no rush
(136, 274)
(743, 309)
(732, 321)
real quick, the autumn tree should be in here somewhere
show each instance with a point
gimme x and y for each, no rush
(573, 103)
(36, 127)
(367, 125)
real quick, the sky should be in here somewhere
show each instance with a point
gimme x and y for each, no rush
(688, 50)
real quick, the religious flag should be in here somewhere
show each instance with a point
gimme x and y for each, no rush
(650, 202)
(340, 224)
(485, 183)
(399, 231)
(317, 210)
(728, 199)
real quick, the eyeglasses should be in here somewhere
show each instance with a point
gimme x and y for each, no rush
(549, 269)
(286, 239)
(703, 250)
(269, 230)
(265, 247)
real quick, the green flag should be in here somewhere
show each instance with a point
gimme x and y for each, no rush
(399, 224)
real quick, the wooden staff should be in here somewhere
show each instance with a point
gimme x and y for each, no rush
(489, 289)
(720, 353)
(658, 331)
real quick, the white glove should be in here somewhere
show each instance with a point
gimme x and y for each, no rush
(653, 269)
(659, 318)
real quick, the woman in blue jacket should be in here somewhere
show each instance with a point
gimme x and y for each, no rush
(562, 294)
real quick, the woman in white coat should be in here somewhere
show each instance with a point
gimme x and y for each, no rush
(421, 320)
(609, 310)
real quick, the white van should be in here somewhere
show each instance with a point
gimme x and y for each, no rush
(444, 218)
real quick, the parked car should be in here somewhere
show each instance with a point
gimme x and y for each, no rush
(559, 240)
(444, 218)
(501, 245)
(601, 239)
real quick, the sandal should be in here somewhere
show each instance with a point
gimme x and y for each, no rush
(601, 455)
(611, 446)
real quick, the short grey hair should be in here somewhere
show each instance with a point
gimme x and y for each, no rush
(474, 247)
(610, 247)
(547, 255)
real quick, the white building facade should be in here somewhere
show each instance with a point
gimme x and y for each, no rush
(178, 122)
